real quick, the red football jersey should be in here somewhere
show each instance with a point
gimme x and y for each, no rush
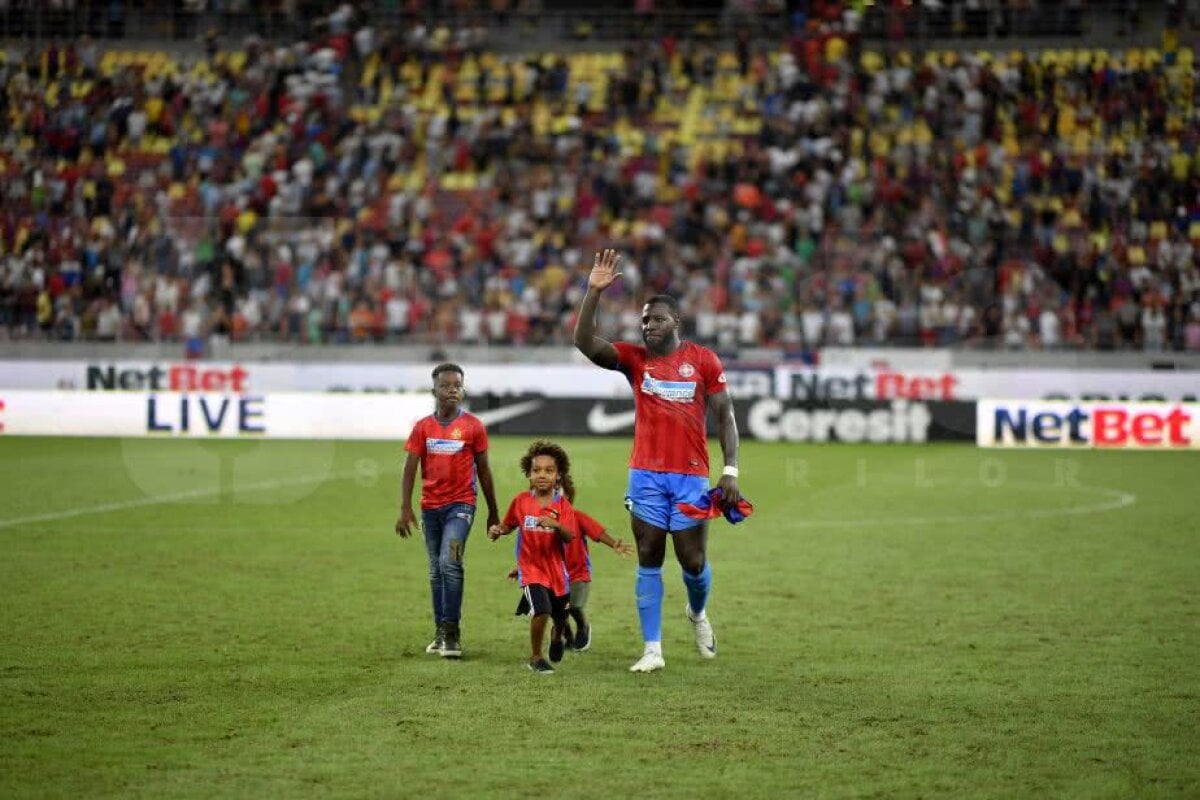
(540, 550)
(670, 397)
(447, 454)
(579, 563)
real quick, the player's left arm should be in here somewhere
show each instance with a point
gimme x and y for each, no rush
(484, 470)
(721, 405)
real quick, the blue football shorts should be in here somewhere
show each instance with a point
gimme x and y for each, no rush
(651, 497)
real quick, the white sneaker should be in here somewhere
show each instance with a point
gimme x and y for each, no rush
(439, 641)
(706, 640)
(649, 662)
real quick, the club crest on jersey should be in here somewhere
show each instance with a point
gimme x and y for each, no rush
(456, 434)
(686, 370)
(443, 447)
(674, 391)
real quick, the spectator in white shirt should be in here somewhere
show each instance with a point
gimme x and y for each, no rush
(1154, 327)
(812, 322)
(841, 325)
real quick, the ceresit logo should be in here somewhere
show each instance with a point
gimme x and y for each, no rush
(772, 420)
(1145, 426)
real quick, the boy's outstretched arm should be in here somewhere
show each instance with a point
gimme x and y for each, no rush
(621, 547)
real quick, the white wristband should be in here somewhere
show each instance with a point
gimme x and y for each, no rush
(730, 471)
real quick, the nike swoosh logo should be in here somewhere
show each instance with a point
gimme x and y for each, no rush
(494, 416)
(600, 421)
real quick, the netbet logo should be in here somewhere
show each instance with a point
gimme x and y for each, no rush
(1099, 426)
(175, 378)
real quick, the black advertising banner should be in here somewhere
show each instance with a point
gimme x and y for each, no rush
(764, 419)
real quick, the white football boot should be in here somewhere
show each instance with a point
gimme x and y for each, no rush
(651, 660)
(706, 640)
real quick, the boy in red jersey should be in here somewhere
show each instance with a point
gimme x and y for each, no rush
(450, 446)
(674, 384)
(579, 571)
(579, 575)
(544, 520)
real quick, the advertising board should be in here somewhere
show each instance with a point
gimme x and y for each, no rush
(1106, 425)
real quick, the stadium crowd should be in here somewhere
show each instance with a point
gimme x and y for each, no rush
(372, 184)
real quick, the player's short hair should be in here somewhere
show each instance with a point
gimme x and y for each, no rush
(447, 367)
(667, 300)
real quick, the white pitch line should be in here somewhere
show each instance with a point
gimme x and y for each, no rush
(160, 499)
(1120, 500)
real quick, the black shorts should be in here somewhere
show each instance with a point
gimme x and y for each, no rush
(537, 600)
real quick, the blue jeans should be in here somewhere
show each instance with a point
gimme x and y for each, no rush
(446, 531)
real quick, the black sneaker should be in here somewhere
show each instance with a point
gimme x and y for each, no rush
(583, 638)
(451, 647)
(540, 667)
(439, 640)
(568, 637)
(556, 650)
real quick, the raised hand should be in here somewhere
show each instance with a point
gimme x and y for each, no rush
(604, 270)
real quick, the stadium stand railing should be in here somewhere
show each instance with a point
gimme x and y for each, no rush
(526, 24)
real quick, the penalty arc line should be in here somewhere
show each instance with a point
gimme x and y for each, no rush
(1119, 500)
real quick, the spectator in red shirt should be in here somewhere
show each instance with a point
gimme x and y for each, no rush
(451, 447)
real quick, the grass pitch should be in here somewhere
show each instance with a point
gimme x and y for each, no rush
(237, 619)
